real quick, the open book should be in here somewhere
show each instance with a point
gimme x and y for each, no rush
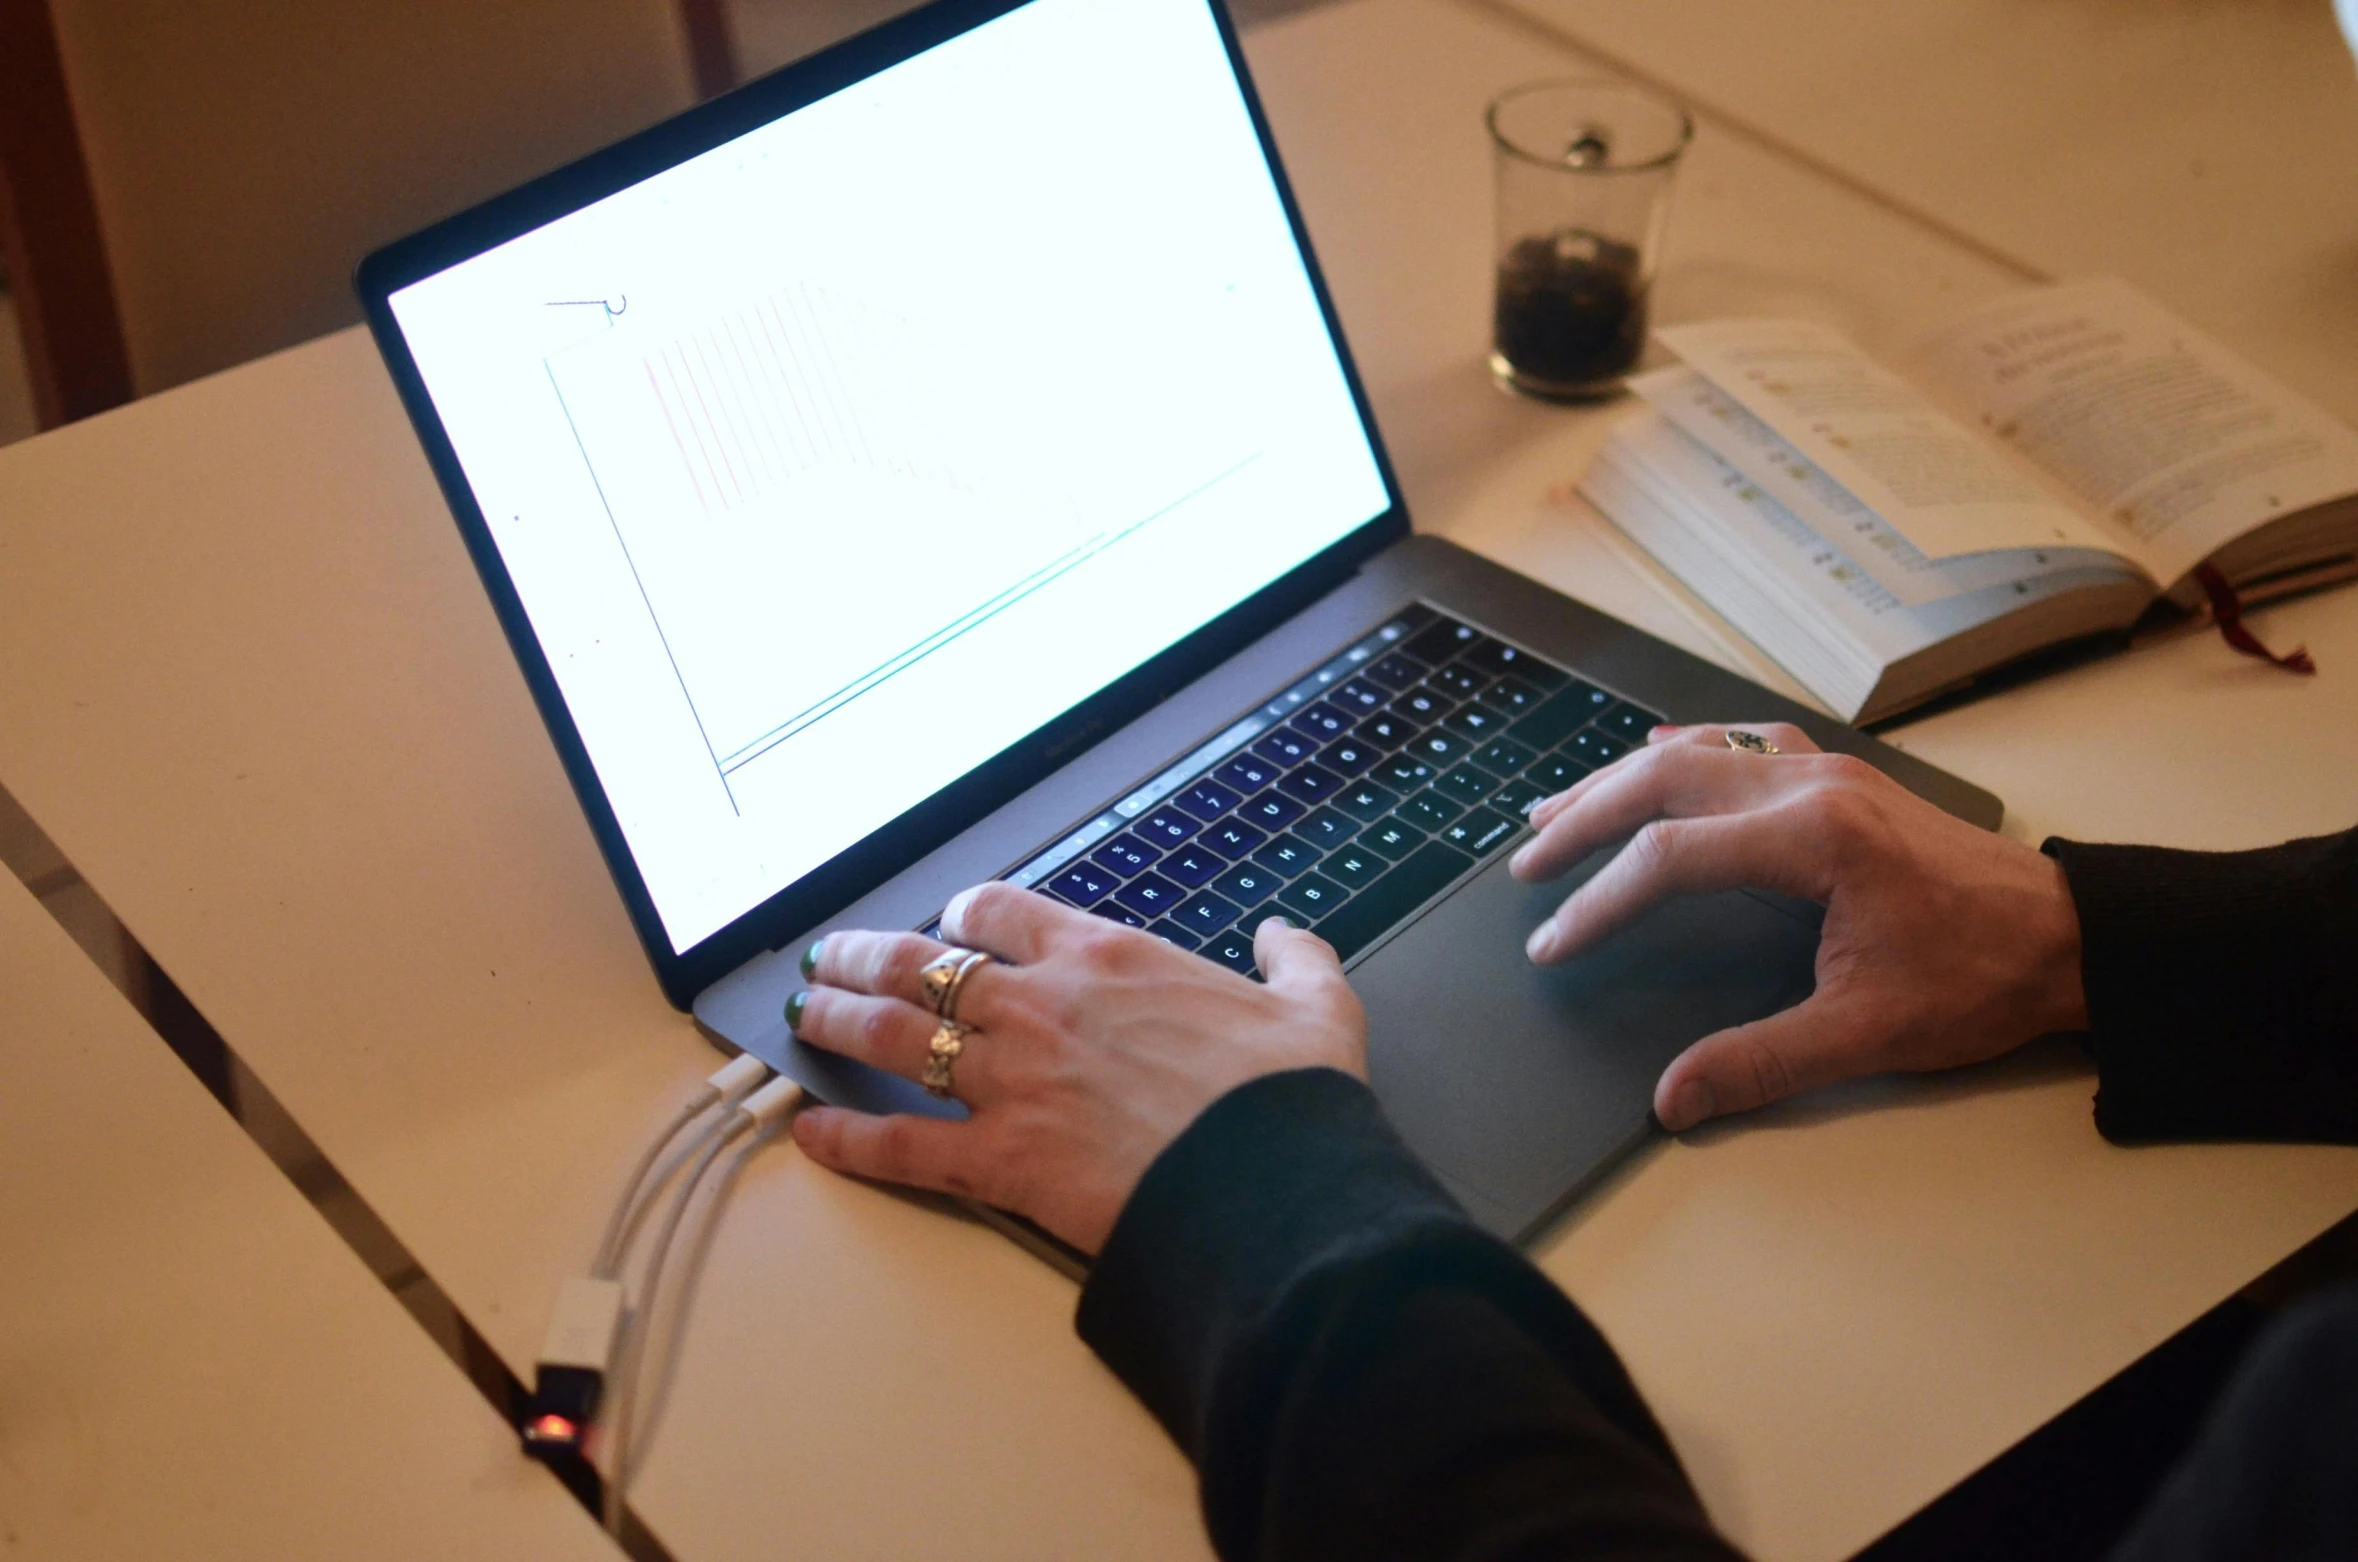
(2042, 469)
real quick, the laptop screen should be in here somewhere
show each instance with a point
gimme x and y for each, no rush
(834, 460)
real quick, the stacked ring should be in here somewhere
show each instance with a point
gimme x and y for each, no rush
(944, 977)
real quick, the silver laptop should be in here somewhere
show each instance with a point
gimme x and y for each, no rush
(940, 461)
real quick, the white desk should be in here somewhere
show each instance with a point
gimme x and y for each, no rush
(2207, 152)
(265, 708)
(191, 1364)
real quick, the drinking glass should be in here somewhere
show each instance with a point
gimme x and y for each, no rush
(1584, 173)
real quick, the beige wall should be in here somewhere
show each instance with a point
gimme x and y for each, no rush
(247, 153)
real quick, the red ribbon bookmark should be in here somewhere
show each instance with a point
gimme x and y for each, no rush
(2227, 608)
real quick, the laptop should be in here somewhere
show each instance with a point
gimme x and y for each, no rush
(939, 461)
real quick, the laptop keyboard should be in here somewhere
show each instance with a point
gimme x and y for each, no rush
(1368, 787)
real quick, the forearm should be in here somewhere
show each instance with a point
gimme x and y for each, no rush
(2222, 988)
(1356, 1369)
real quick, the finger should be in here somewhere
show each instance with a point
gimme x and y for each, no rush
(1748, 1066)
(883, 1033)
(1670, 781)
(1788, 738)
(1759, 850)
(1297, 962)
(1012, 923)
(885, 965)
(917, 1152)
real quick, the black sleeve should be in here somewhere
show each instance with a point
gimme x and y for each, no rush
(1357, 1370)
(2222, 988)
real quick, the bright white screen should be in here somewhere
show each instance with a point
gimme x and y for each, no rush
(831, 462)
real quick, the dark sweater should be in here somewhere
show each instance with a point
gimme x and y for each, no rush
(1358, 1371)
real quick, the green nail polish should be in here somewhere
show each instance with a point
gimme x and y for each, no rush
(810, 959)
(794, 1011)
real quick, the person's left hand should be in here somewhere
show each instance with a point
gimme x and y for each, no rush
(1093, 1047)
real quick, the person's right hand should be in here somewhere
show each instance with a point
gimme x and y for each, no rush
(1943, 945)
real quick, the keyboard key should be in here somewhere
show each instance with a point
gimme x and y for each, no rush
(1366, 801)
(1311, 896)
(1232, 838)
(1115, 911)
(1208, 800)
(1287, 855)
(1629, 722)
(1284, 749)
(1459, 682)
(1233, 949)
(1394, 838)
(1325, 829)
(1272, 810)
(1193, 865)
(1248, 883)
(1206, 914)
(1500, 660)
(1052, 895)
(1424, 706)
(1564, 713)
(1374, 911)
(1322, 722)
(1171, 932)
(1247, 773)
(1478, 722)
(1398, 671)
(1511, 697)
(1165, 827)
(1360, 697)
(1348, 756)
(1466, 784)
(1083, 884)
(1595, 749)
(1439, 747)
(1311, 783)
(1150, 895)
(1352, 868)
(1125, 855)
(1504, 757)
(1429, 811)
(1405, 772)
(1481, 832)
(1442, 641)
(1554, 773)
(1387, 731)
(1516, 797)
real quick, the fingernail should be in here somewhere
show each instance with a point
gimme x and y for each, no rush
(1516, 862)
(810, 959)
(1657, 734)
(1283, 921)
(1691, 1103)
(794, 1011)
(1541, 941)
(954, 914)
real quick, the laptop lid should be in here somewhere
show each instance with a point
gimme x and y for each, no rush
(844, 454)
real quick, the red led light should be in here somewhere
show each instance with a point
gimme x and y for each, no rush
(552, 1428)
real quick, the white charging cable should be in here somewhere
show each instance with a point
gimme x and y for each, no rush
(588, 1327)
(760, 1114)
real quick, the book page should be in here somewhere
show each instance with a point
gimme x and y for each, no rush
(1714, 419)
(2149, 424)
(1901, 456)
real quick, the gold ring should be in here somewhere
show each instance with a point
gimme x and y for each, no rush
(941, 1053)
(938, 981)
(1750, 742)
(966, 967)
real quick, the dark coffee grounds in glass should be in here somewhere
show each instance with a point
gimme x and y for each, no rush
(1571, 310)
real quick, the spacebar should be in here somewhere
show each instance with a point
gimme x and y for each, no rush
(1380, 907)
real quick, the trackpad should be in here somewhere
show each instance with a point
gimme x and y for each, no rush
(1519, 1085)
